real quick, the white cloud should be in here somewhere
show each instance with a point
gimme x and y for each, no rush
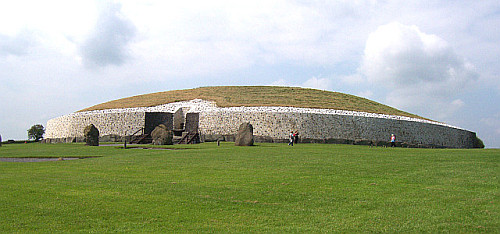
(19, 44)
(421, 71)
(107, 44)
(314, 83)
(353, 79)
(458, 103)
(493, 122)
(366, 94)
(317, 83)
(450, 109)
(424, 103)
(491, 130)
(197, 37)
(280, 82)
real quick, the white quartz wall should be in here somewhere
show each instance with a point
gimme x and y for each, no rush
(334, 126)
(118, 123)
(275, 122)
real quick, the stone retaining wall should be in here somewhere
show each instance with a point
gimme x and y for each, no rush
(275, 126)
(271, 124)
(118, 123)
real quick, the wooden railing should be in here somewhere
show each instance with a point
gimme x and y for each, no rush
(134, 137)
(190, 138)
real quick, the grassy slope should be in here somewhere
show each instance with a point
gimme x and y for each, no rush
(268, 188)
(227, 96)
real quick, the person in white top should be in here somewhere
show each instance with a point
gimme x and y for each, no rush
(291, 138)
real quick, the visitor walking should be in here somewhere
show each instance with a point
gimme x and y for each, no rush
(393, 140)
(292, 136)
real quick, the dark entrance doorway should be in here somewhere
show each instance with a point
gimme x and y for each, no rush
(192, 122)
(153, 119)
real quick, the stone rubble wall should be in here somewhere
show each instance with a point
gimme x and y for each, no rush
(271, 123)
(277, 125)
(72, 125)
(120, 122)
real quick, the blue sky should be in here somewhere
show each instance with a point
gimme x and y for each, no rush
(437, 59)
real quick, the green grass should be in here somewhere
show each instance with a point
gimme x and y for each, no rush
(229, 96)
(266, 188)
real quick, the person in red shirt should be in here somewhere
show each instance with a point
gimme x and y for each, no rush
(393, 140)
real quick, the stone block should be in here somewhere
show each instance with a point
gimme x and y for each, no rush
(162, 135)
(244, 136)
(263, 139)
(363, 142)
(91, 134)
(383, 143)
(230, 138)
(70, 140)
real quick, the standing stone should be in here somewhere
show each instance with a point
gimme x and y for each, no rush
(162, 136)
(91, 134)
(244, 137)
(0, 140)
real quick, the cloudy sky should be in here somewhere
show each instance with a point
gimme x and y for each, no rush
(437, 59)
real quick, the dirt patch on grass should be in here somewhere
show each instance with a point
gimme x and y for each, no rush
(43, 159)
(153, 148)
(35, 159)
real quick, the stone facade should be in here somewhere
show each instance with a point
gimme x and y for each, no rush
(271, 124)
(330, 127)
(108, 123)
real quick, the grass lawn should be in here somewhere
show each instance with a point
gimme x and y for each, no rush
(266, 188)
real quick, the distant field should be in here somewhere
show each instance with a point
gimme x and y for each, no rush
(228, 96)
(266, 188)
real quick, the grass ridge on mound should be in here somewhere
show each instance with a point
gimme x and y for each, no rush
(251, 96)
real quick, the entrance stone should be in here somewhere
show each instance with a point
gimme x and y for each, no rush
(162, 136)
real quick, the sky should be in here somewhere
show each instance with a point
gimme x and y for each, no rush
(436, 59)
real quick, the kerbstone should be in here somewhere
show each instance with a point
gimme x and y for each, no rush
(91, 134)
(244, 136)
(162, 136)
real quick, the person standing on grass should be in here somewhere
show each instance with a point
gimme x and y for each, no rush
(296, 137)
(291, 138)
(393, 140)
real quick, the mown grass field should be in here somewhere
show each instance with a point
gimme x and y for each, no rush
(265, 188)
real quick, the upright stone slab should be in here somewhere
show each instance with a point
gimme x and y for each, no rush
(0, 140)
(162, 135)
(91, 134)
(244, 137)
(179, 119)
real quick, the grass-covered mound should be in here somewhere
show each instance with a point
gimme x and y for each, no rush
(275, 188)
(230, 96)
